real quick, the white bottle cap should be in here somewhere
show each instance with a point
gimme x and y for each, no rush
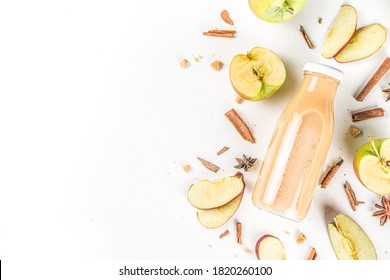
(324, 69)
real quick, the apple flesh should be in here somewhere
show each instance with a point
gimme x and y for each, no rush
(340, 32)
(372, 165)
(349, 241)
(258, 74)
(209, 194)
(276, 10)
(365, 42)
(213, 218)
(269, 247)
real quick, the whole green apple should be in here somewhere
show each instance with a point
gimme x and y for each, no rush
(276, 10)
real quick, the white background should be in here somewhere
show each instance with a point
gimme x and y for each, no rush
(97, 120)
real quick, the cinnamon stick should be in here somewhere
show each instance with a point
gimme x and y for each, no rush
(240, 125)
(221, 151)
(210, 166)
(382, 70)
(306, 37)
(220, 33)
(368, 114)
(312, 255)
(239, 232)
(226, 233)
(351, 196)
(333, 170)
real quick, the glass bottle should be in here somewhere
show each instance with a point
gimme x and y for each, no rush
(296, 154)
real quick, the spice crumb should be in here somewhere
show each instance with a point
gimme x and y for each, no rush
(184, 63)
(247, 251)
(287, 232)
(186, 168)
(210, 246)
(216, 65)
(354, 131)
(300, 238)
(320, 20)
(226, 233)
(226, 17)
(239, 99)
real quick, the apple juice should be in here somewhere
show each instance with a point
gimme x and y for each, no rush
(299, 146)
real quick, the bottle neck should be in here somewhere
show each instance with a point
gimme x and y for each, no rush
(323, 86)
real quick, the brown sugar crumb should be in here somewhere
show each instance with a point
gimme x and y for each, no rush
(300, 238)
(184, 63)
(354, 131)
(198, 58)
(186, 168)
(247, 251)
(216, 65)
(239, 99)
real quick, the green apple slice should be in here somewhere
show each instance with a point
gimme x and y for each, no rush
(217, 217)
(365, 42)
(258, 74)
(372, 165)
(276, 10)
(209, 194)
(349, 241)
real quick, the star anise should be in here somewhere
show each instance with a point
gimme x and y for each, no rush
(384, 212)
(246, 162)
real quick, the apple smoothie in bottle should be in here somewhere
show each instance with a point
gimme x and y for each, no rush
(299, 146)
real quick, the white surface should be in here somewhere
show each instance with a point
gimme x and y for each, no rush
(97, 119)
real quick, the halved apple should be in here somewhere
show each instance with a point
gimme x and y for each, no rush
(372, 165)
(341, 31)
(213, 218)
(210, 194)
(349, 241)
(269, 247)
(365, 42)
(257, 74)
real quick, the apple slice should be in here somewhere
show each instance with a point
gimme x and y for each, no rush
(217, 217)
(365, 42)
(341, 31)
(257, 74)
(372, 165)
(349, 241)
(209, 194)
(269, 247)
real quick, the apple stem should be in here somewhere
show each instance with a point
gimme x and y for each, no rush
(288, 8)
(372, 142)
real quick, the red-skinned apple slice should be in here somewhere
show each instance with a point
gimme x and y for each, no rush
(210, 194)
(365, 42)
(269, 247)
(217, 217)
(340, 32)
